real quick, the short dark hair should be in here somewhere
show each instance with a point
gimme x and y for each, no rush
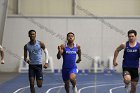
(31, 31)
(70, 33)
(132, 31)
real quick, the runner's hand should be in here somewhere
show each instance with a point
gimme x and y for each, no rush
(2, 61)
(78, 60)
(115, 63)
(45, 65)
(60, 49)
(27, 61)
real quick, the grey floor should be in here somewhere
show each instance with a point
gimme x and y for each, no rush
(6, 76)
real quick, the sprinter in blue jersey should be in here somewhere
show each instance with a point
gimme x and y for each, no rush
(69, 69)
(34, 49)
(130, 63)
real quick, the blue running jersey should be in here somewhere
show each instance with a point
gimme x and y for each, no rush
(35, 52)
(69, 57)
(131, 56)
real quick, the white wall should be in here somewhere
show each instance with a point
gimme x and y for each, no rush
(41, 7)
(3, 12)
(95, 37)
(13, 7)
(65, 7)
(110, 7)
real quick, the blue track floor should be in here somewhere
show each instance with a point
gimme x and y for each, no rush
(86, 83)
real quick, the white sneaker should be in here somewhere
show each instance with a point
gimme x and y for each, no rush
(75, 89)
(127, 88)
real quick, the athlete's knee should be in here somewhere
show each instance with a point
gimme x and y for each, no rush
(126, 75)
(72, 77)
(127, 79)
(39, 83)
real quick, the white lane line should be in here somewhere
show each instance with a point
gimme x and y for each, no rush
(98, 86)
(50, 89)
(114, 88)
(53, 88)
(23, 88)
(110, 91)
